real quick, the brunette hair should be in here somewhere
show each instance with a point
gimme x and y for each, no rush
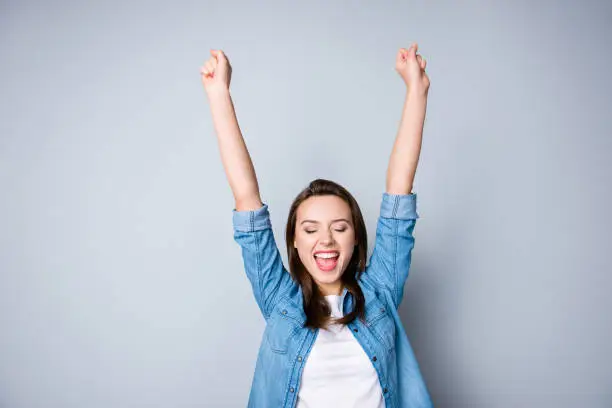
(316, 308)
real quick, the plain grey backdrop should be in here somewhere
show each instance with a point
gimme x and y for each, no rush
(120, 282)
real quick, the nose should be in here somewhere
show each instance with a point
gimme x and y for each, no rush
(327, 237)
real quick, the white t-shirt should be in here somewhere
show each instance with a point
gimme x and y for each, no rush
(338, 372)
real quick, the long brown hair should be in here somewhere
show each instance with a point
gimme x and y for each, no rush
(316, 308)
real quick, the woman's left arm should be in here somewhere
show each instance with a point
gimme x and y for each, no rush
(407, 148)
(392, 255)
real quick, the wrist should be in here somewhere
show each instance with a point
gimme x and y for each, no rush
(417, 92)
(217, 92)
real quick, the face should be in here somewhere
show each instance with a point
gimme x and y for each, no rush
(325, 240)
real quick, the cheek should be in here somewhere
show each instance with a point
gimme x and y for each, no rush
(348, 241)
(349, 245)
(304, 246)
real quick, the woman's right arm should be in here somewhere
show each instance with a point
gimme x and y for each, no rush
(216, 76)
(251, 219)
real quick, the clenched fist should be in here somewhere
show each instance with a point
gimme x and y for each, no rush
(411, 67)
(216, 72)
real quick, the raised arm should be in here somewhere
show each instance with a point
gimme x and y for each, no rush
(407, 148)
(390, 262)
(216, 77)
(251, 218)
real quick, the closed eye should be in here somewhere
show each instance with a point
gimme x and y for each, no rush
(339, 230)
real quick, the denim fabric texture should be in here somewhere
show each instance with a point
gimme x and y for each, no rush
(286, 343)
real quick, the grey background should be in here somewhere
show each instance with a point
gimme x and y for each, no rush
(120, 282)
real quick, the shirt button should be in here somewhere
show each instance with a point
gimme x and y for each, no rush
(300, 358)
(355, 330)
(382, 309)
(385, 390)
(374, 358)
(284, 311)
(291, 389)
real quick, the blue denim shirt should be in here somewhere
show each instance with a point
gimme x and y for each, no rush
(286, 344)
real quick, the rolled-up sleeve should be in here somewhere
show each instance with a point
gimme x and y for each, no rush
(262, 260)
(251, 221)
(392, 255)
(399, 206)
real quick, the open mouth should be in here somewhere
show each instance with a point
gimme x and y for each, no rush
(327, 261)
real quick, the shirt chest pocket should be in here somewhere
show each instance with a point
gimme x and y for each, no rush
(381, 324)
(284, 324)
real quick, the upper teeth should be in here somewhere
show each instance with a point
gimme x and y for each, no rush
(327, 255)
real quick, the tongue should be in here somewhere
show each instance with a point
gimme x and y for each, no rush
(327, 264)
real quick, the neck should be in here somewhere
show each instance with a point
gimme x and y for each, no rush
(331, 289)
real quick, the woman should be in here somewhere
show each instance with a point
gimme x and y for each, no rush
(333, 336)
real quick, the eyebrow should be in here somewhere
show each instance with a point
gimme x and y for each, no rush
(336, 220)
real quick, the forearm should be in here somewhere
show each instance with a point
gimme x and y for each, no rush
(234, 153)
(407, 147)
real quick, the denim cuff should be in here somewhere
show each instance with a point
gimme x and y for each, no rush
(399, 206)
(253, 220)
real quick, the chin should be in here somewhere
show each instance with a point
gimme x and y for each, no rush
(325, 277)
